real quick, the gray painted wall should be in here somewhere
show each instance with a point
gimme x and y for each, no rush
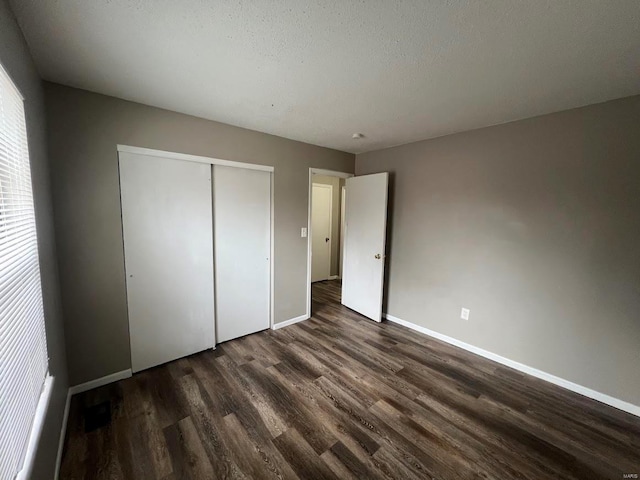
(16, 60)
(84, 129)
(534, 226)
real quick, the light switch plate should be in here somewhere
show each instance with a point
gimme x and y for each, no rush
(303, 232)
(464, 314)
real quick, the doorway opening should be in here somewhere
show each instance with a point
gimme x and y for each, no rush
(327, 192)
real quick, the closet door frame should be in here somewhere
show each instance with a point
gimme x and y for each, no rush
(229, 163)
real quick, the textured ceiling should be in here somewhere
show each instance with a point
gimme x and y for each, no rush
(318, 71)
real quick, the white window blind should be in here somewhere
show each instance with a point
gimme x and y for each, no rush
(23, 350)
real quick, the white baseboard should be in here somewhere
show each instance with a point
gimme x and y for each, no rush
(574, 387)
(333, 277)
(63, 433)
(99, 382)
(286, 323)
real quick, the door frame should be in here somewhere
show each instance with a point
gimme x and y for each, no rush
(330, 188)
(312, 172)
(343, 201)
(229, 163)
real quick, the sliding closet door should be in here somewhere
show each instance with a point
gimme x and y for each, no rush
(242, 229)
(168, 245)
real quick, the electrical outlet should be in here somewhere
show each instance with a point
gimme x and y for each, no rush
(464, 315)
(303, 232)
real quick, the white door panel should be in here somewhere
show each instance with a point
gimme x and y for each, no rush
(168, 244)
(242, 226)
(321, 207)
(364, 244)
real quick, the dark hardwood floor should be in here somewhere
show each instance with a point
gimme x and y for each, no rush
(339, 396)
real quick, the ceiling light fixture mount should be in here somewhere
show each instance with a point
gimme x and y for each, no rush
(357, 136)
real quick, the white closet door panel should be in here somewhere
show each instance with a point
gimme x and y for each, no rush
(242, 229)
(168, 242)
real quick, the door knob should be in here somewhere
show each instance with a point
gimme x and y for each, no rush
(326, 239)
(378, 256)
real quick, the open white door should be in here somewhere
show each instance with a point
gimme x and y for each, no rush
(365, 235)
(168, 251)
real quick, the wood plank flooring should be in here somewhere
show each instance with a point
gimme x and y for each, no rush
(339, 396)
